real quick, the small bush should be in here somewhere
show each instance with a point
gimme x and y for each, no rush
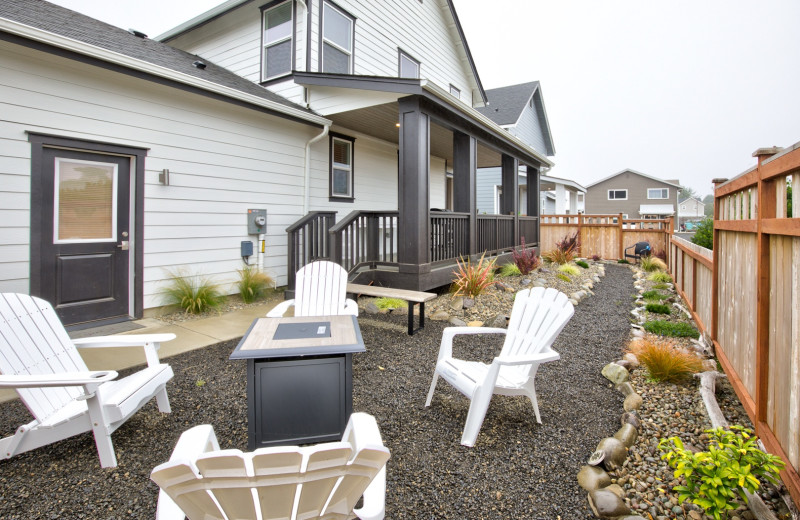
(582, 264)
(562, 276)
(471, 280)
(569, 244)
(526, 260)
(654, 295)
(192, 293)
(391, 303)
(596, 258)
(569, 270)
(657, 308)
(556, 256)
(660, 277)
(622, 261)
(665, 360)
(660, 254)
(510, 270)
(668, 328)
(652, 263)
(253, 284)
(704, 236)
(661, 286)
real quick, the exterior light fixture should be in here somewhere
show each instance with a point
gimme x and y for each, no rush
(163, 177)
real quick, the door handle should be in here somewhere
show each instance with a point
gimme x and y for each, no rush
(123, 245)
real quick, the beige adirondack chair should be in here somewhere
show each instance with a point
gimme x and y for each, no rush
(537, 317)
(326, 481)
(320, 290)
(38, 359)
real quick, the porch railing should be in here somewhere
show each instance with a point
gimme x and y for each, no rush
(495, 233)
(308, 241)
(365, 237)
(449, 235)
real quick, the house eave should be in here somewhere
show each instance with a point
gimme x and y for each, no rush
(637, 173)
(200, 19)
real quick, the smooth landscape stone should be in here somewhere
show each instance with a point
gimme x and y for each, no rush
(469, 303)
(624, 364)
(440, 315)
(525, 281)
(541, 281)
(631, 517)
(476, 323)
(616, 489)
(631, 357)
(632, 402)
(573, 301)
(611, 452)
(592, 477)
(457, 322)
(606, 504)
(625, 388)
(457, 304)
(499, 321)
(371, 308)
(615, 373)
(627, 435)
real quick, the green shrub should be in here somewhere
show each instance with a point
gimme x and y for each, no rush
(253, 284)
(390, 303)
(622, 261)
(654, 295)
(715, 478)
(569, 270)
(471, 280)
(562, 276)
(657, 308)
(704, 236)
(510, 270)
(193, 293)
(668, 328)
(660, 277)
(582, 264)
(652, 263)
(664, 359)
(661, 286)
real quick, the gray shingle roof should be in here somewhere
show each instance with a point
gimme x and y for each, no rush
(507, 103)
(64, 22)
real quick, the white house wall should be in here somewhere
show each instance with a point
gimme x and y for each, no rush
(223, 159)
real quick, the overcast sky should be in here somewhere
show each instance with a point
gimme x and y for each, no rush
(676, 89)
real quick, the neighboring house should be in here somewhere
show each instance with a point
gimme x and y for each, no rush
(690, 210)
(295, 107)
(634, 194)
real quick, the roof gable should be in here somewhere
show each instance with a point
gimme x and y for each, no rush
(628, 170)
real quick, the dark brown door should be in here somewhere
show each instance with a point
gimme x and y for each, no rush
(85, 226)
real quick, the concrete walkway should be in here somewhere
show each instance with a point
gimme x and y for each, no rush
(191, 334)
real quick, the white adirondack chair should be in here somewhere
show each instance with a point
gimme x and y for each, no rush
(538, 316)
(201, 481)
(38, 359)
(320, 290)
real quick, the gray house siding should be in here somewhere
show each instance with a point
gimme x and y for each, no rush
(529, 129)
(597, 202)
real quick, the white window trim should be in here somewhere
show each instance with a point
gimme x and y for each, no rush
(608, 193)
(348, 168)
(264, 44)
(657, 198)
(455, 91)
(333, 44)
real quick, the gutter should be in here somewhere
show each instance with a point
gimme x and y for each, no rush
(62, 42)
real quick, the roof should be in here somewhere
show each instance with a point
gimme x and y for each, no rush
(559, 180)
(628, 170)
(681, 201)
(57, 26)
(656, 209)
(230, 5)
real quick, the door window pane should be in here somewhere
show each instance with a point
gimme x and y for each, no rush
(85, 201)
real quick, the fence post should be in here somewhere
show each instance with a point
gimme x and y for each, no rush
(580, 234)
(619, 230)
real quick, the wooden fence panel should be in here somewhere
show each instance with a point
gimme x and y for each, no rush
(705, 280)
(691, 270)
(602, 241)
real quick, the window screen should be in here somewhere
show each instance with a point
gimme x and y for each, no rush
(277, 54)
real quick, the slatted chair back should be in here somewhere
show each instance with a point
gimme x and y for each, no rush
(275, 483)
(320, 289)
(537, 317)
(33, 342)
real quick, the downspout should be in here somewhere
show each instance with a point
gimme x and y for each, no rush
(307, 167)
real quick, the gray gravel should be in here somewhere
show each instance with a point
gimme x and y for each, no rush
(518, 469)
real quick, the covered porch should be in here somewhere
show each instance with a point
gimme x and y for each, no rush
(412, 244)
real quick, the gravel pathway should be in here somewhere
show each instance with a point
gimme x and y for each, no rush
(518, 469)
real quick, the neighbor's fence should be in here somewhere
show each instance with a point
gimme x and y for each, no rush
(605, 235)
(753, 311)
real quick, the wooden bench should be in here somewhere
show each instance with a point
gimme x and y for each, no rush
(412, 297)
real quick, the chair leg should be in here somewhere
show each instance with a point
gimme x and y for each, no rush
(102, 434)
(433, 387)
(530, 390)
(163, 401)
(475, 416)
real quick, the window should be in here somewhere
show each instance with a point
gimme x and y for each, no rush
(617, 194)
(341, 172)
(278, 28)
(337, 40)
(658, 193)
(455, 91)
(409, 67)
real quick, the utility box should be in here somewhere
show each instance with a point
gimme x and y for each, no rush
(256, 221)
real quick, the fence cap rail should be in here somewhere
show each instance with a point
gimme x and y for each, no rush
(312, 215)
(354, 215)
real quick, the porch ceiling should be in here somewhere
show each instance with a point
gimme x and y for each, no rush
(380, 121)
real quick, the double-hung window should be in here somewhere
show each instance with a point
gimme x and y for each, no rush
(341, 172)
(278, 29)
(658, 193)
(617, 194)
(337, 40)
(409, 67)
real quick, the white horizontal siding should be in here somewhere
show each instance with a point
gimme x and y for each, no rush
(223, 159)
(529, 130)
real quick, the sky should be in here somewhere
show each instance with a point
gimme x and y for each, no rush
(675, 89)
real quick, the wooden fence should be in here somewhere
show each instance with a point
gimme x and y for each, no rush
(752, 312)
(604, 235)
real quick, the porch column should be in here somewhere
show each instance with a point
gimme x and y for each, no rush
(413, 190)
(510, 179)
(573, 202)
(534, 200)
(465, 167)
(561, 206)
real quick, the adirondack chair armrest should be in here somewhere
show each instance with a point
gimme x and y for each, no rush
(64, 379)
(542, 357)
(350, 307)
(149, 342)
(446, 347)
(279, 310)
(361, 431)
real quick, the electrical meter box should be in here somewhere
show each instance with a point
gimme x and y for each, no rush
(256, 221)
